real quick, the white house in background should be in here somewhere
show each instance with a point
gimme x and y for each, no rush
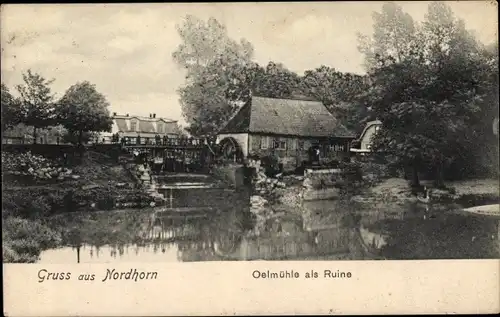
(365, 139)
(131, 126)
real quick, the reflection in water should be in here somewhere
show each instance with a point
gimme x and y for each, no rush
(327, 230)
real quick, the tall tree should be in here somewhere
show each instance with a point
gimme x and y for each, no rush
(210, 58)
(428, 99)
(394, 36)
(11, 110)
(83, 109)
(205, 41)
(37, 102)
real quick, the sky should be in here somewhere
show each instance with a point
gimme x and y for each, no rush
(126, 49)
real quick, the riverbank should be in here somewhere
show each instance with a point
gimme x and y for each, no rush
(398, 190)
(35, 188)
(275, 198)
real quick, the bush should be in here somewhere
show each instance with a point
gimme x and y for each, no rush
(36, 201)
(23, 239)
(27, 164)
(271, 165)
(25, 203)
(374, 172)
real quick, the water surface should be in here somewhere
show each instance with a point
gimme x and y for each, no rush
(328, 230)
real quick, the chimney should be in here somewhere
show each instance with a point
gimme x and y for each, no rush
(114, 114)
(127, 114)
(150, 115)
(154, 115)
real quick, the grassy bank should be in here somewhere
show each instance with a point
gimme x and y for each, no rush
(466, 191)
(38, 188)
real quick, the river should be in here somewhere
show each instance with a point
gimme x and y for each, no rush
(321, 230)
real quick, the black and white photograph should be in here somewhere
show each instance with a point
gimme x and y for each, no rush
(331, 131)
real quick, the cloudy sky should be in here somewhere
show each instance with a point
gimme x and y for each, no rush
(125, 49)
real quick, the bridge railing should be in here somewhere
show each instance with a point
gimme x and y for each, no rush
(160, 141)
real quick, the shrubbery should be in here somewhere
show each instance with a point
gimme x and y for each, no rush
(45, 201)
(36, 190)
(27, 168)
(23, 239)
(271, 165)
(360, 175)
(23, 162)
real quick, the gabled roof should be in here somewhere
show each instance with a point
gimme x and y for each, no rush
(286, 117)
(145, 125)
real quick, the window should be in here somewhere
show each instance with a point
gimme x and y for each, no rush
(133, 125)
(264, 142)
(279, 144)
(159, 127)
(336, 148)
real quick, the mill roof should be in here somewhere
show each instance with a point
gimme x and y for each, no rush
(286, 117)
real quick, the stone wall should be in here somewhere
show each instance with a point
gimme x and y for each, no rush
(292, 190)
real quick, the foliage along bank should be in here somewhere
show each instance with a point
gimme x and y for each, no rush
(36, 188)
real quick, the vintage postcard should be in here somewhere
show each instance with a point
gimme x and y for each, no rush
(250, 158)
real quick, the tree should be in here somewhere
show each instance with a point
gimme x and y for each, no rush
(37, 106)
(206, 103)
(275, 81)
(83, 109)
(203, 43)
(74, 137)
(11, 110)
(339, 93)
(394, 36)
(211, 60)
(428, 97)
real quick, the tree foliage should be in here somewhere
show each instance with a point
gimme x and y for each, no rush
(210, 58)
(11, 109)
(394, 36)
(36, 101)
(84, 109)
(220, 76)
(203, 42)
(429, 97)
(339, 92)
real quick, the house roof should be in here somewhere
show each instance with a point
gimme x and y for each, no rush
(140, 118)
(145, 124)
(367, 126)
(286, 117)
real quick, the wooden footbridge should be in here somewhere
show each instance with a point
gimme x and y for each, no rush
(172, 154)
